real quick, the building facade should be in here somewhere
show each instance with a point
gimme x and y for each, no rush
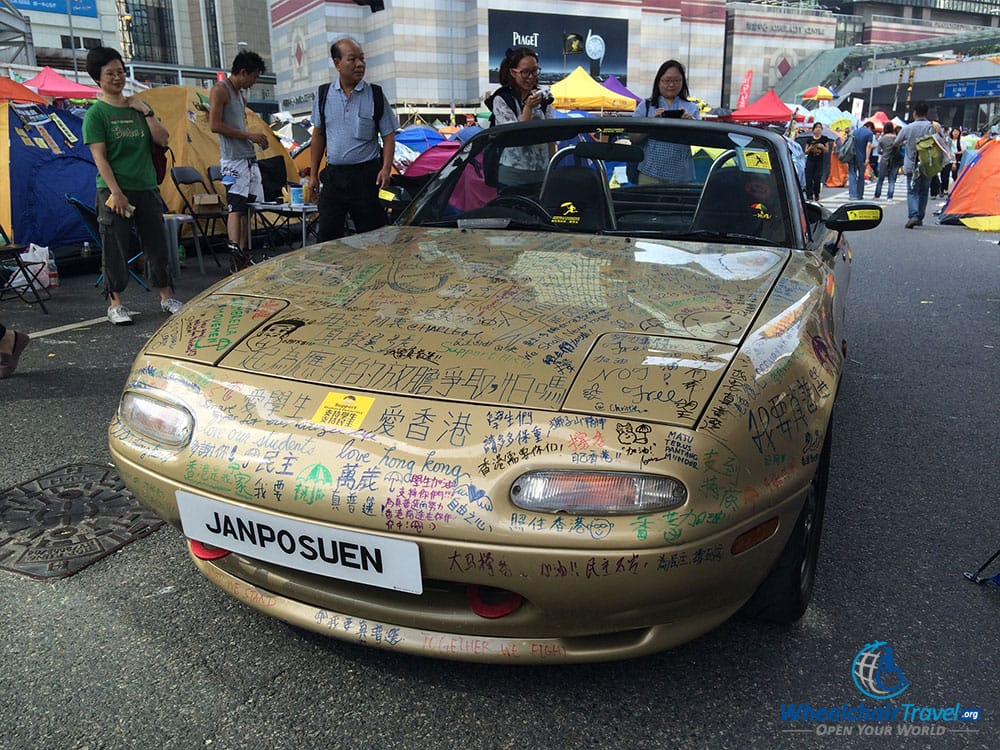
(439, 58)
(163, 41)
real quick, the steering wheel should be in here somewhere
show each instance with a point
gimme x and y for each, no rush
(521, 203)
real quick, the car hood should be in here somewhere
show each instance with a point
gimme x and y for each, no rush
(600, 325)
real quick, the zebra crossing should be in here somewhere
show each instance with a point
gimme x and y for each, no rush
(832, 200)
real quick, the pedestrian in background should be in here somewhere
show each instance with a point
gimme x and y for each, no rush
(119, 130)
(918, 184)
(227, 117)
(950, 170)
(888, 162)
(817, 146)
(864, 138)
(349, 115)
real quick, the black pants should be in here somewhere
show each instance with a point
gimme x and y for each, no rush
(349, 190)
(814, 178)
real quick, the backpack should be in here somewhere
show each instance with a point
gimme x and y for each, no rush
(845, 151)
(893, 154)
(930, 156)
(377, 95)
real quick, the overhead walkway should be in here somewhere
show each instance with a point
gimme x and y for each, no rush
(833, 67)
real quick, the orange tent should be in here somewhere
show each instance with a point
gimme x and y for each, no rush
(11, 90)
(976, 192)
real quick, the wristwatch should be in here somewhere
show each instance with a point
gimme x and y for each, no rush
(149, 113)
(595, 47)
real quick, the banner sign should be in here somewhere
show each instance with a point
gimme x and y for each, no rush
(969, 89)
(84, 8)
(563, 43)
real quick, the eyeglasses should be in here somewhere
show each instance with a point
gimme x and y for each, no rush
(533, 73)
(678, 81)
(114, 73)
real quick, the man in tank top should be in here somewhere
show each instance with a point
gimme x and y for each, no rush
(237, 157)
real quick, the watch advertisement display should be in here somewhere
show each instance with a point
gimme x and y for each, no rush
(563, 43)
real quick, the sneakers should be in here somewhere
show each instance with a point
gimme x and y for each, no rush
(119, 316)
(171, 305)
(238, 258)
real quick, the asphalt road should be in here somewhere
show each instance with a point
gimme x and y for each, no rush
(138, 651)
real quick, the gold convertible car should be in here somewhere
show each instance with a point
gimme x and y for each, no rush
(554, 413)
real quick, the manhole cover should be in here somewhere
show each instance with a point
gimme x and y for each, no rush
(63, 521)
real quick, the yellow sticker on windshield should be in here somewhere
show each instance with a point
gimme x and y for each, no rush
(864, 214)
(343, 410)
(757, 160)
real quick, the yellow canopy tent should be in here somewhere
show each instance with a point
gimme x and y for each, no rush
(579, 91)
(184, 111)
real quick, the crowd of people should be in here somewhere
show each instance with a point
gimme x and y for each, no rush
(354, 136)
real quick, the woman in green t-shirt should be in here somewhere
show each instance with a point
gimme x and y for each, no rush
(119, 129)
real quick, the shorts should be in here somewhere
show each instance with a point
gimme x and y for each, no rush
(243, 184)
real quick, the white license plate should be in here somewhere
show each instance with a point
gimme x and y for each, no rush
(347, 555)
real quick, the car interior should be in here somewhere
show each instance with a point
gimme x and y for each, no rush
(589, 185)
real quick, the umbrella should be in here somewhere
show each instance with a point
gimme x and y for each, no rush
(15, 92)
(815, 93)
(834, 118)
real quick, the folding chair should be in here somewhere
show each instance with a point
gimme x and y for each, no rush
(89, 216)
(978, 576)
(189, 183)
(215, 180)
(14, 267)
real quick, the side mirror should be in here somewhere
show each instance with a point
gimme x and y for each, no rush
(855, 217)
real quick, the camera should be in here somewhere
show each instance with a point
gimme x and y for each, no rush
(547, 97)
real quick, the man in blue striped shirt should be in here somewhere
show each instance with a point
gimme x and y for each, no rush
(346, 131)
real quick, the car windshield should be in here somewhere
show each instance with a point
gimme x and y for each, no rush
(715, 183)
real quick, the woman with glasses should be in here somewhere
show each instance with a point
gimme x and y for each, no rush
(119, 130)
(666, 162)
(519, 100)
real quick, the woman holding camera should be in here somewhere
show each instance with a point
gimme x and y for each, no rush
(519, 100)
(667, 162)
(817, 148)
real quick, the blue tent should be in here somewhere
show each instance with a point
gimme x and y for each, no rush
(47, 158)
(466, 133)
(419, 137)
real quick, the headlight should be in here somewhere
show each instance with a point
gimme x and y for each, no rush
(156, 417)
(596, 492)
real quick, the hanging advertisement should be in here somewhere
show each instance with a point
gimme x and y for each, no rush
(563, 43)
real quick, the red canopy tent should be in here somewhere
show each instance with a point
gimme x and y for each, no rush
(769, 108)
(50, 83)
(13, 91)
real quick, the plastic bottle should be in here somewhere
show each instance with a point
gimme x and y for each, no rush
(181, 252)
(53, 273)
(85, 252)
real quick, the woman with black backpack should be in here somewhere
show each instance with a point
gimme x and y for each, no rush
(890, 161)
